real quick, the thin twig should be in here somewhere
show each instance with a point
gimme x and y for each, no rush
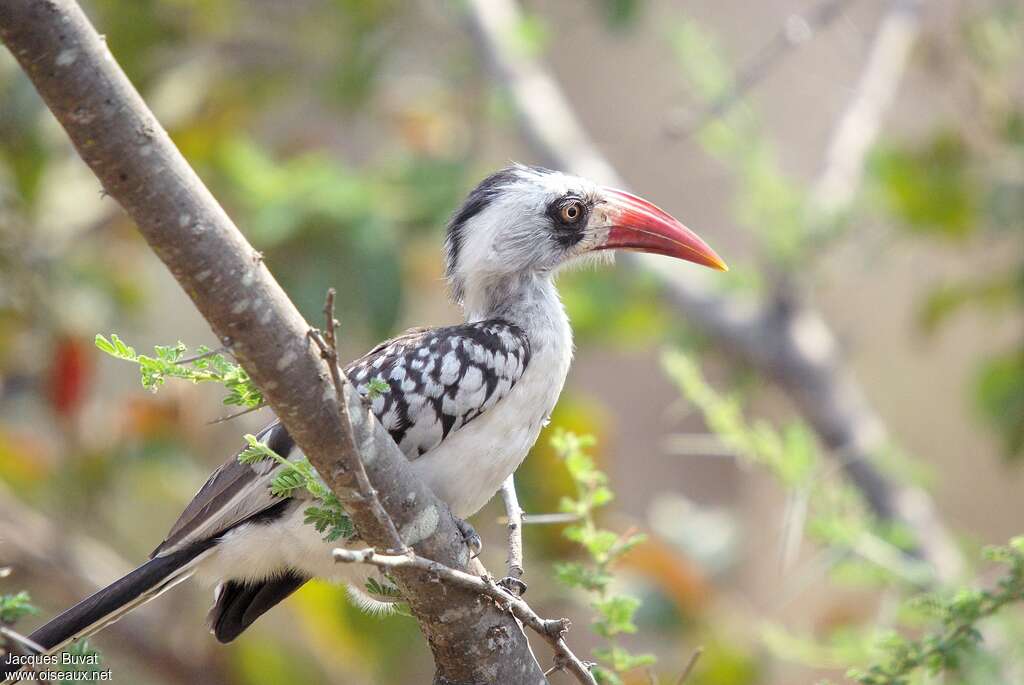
(552, 630)
(514, 512)
(235, 415)
(549, 519)
(796, 31)
(28, 643)
(328, 344)
(204, 355)
(697, 653)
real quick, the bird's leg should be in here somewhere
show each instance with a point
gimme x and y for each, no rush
(513, 582)
(517, 586)
(469, 534)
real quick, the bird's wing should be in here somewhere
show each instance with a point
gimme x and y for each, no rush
(437, 380)
(234, 493)
(440, 379)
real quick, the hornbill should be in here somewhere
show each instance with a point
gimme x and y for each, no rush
(464, 403)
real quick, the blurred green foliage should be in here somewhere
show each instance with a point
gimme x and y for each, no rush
(958, 635)
(861, 552)
(15, 607)
(614, 612)
(930, 189)
(963, 186)
(768, 203)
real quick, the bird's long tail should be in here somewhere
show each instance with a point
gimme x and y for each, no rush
(112, 602)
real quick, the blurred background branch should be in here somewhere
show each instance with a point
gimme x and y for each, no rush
(796, 30)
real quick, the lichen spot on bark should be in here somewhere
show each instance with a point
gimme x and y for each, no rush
(67, 57)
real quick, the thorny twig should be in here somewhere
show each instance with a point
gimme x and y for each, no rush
(328, 345)
(552, 630)
(514, 514)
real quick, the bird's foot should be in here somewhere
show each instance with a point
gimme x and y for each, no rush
(472, 538)
(517, 586)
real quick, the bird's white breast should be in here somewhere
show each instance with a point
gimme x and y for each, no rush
(471, 464)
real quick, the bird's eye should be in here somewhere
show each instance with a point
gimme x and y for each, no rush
(571, 212)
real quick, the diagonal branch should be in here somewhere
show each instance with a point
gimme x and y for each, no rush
(794, 33)
(782, 337)
(139, 166)
(860, 122)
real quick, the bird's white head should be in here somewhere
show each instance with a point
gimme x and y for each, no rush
(527, 222)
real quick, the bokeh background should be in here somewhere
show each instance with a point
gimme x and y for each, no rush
(340, 134)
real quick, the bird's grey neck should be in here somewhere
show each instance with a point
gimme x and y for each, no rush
(529, 301)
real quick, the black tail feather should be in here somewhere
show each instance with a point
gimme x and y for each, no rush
(239, 603)
(108, 604)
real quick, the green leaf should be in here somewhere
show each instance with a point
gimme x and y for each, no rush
(376, 387)
(930, 187)
(616, 615)
(574, 574)
(167, 362)
(15, 607)
(999, 392)
(382, 590)
(599, 542)
(623, 660)
(105, 345)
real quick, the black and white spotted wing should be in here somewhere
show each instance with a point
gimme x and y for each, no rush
(440, 379)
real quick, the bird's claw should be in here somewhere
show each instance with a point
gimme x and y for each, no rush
(517, 586)
(472, 538)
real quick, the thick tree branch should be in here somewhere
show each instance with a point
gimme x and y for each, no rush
(782, 337)
(139, 166)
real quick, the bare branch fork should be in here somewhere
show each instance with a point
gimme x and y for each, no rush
(139, 166)
(782, 337)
